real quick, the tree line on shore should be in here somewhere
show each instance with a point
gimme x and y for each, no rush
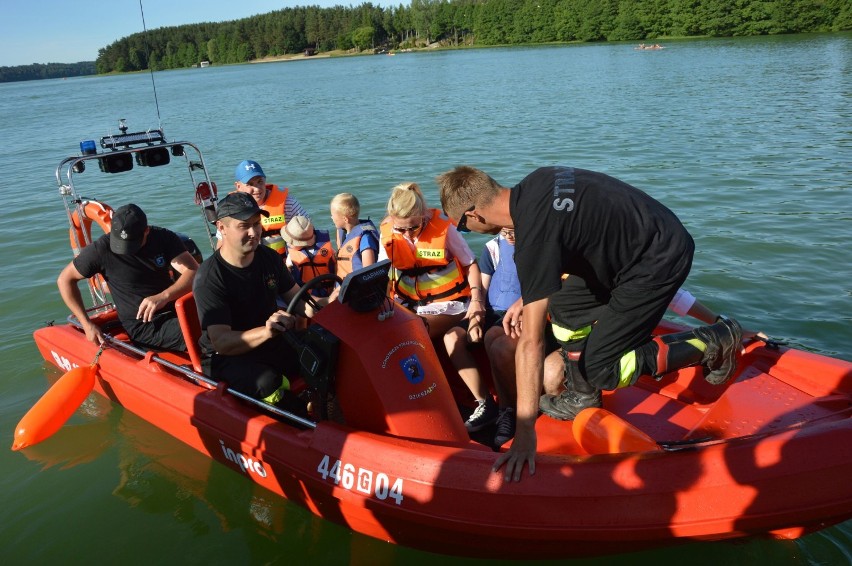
(463, 22)
(38, 71)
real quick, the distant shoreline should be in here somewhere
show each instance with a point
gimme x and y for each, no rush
(321, 55)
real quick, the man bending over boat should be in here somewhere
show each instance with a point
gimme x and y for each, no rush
(627, 255)
(137, 260)
(236, 294)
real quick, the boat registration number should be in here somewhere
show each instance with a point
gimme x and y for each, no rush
(361, 480)
(62, 362)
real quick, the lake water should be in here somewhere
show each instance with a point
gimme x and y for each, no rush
(748, 140)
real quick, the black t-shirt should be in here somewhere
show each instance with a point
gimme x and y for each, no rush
(132, 277)
(240, 297)
(593, 226)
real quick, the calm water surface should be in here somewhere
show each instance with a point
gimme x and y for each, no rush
(749, 141)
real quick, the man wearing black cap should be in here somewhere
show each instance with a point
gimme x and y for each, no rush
(137, 262)
(236, 294)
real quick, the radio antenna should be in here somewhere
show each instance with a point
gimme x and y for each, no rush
(148, 58)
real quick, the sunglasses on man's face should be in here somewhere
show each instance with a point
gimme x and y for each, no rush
(461, 225)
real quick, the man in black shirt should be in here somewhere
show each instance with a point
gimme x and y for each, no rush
(136, 261)
(236, 294)
(627, 255)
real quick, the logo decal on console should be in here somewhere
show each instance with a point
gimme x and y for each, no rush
(412, 369)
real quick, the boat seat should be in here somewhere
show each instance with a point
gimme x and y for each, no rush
(191, 327)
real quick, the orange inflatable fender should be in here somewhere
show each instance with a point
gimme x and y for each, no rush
(599, 431)
(55, 407)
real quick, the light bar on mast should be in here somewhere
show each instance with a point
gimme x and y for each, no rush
(126, 140)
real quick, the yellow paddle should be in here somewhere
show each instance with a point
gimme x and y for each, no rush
(57, 405)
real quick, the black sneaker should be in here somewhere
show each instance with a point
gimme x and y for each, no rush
(568, 404)
(483, 415)
(724, 341)
(505, 427)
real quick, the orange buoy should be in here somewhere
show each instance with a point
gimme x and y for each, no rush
(81, 225)
(55, 407)
(599, 431)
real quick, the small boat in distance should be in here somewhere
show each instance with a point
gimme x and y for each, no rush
(654, 47)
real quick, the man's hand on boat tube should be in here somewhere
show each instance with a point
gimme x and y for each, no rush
(93, 332)
(529, 372)
(521, 452)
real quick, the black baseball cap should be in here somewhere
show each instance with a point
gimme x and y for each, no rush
(241, 206)
(127, 232)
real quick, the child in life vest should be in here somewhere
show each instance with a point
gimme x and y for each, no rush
(357, 239)
(309, 253)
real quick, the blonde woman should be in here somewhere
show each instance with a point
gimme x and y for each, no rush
(434, 273)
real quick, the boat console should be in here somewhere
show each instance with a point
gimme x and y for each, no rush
(365, 290)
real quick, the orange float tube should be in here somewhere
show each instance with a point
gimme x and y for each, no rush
(55, 407)
(598, 431)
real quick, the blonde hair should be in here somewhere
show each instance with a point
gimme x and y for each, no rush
(406, 200)
(346, 204)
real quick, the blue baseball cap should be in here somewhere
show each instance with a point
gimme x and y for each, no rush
(248, 170)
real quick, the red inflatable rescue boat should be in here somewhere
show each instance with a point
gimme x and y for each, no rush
(769, 453)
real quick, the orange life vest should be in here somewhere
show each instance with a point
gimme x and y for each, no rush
(275, 205)
(425, 273)
(305, 263)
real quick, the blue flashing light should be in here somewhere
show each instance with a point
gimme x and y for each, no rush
(88, 147)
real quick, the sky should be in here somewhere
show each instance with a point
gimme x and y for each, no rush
(69, 31)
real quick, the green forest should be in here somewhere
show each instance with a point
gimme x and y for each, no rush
(448, 23)
(38, 71)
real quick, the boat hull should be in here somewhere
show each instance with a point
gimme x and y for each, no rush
(441, 496)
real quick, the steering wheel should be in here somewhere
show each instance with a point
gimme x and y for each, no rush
(303, 294)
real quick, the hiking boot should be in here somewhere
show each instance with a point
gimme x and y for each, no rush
(724, 340)
(714, 347)
(579, 394)
(567, 405)
(483, 415)
(506, 422)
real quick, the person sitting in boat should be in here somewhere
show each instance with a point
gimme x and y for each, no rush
(276, 201)
(236, 293)
(624, 273)
(497, 299)
(309, 253)
(138, 262)
(357, 240)
(432, 268)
